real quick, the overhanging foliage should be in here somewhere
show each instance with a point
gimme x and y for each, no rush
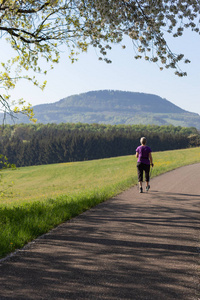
(36, 29)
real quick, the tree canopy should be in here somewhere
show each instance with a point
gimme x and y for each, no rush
(37, 29)
(36, 144)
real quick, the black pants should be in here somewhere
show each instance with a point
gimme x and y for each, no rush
(143, 167)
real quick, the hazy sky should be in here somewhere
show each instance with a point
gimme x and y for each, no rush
(125, 73)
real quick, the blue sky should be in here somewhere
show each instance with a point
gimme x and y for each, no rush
(125, 73)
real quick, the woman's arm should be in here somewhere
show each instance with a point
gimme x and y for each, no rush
(151, 158)
(137, 154)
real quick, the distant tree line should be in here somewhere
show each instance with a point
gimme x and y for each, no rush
(28, 144)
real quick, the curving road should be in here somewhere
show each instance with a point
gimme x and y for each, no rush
(134, 246)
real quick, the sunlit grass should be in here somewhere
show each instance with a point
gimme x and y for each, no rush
(42, 182)
(38, 183)
(45, 196)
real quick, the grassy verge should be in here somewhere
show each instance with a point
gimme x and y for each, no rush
(45, 196)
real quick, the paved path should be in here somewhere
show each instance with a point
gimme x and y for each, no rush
(134, 246)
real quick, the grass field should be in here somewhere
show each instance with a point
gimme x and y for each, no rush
(42, 197)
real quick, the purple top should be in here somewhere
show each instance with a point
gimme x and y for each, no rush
(143, 152)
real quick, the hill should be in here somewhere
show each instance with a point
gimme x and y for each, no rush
(113, 107)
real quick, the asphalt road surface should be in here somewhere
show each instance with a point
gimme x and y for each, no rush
(133, 246)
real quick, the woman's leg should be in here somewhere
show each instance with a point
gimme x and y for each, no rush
(147, 170)
(140, 175)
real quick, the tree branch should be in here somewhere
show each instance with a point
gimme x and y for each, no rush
(24, 11)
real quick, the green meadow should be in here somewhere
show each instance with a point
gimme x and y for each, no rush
(41, 197)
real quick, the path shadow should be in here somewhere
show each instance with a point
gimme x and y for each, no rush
(120, 249)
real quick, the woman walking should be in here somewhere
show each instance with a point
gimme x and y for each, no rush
(143, 153)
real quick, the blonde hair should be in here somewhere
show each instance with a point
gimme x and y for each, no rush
(143, 140)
